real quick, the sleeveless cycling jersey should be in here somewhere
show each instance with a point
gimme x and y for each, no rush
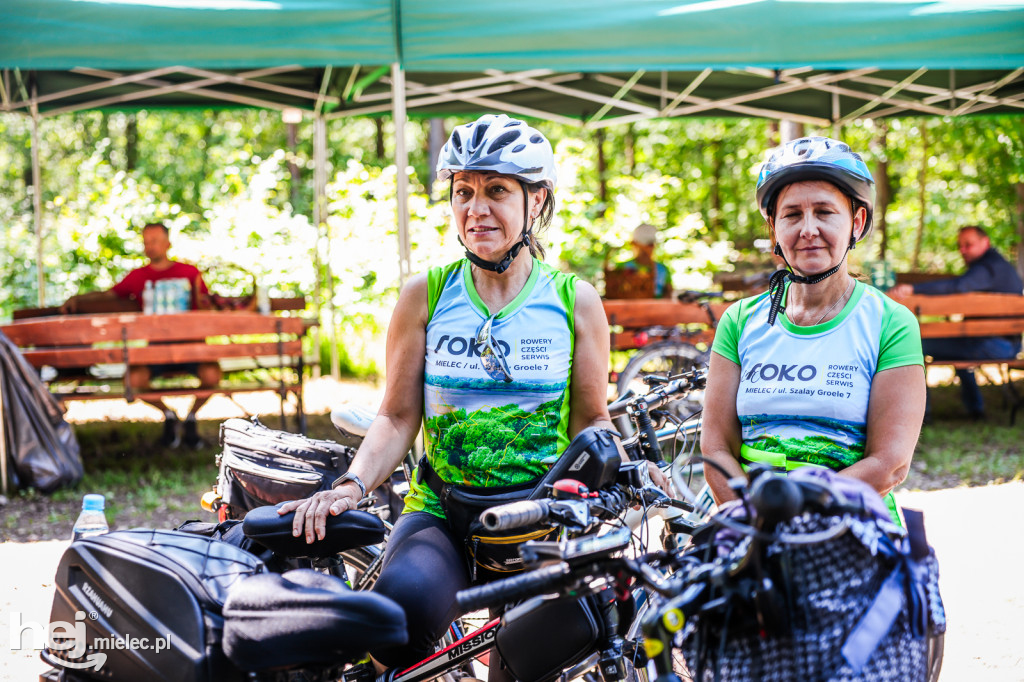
(804, 391)
(483, 432)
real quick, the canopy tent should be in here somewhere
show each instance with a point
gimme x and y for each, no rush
(584, 62)
(596, 62)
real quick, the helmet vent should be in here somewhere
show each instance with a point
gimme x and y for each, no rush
(518, 148)
(504, 140)
(513, 123)
(457, 141)
(479, 132)
(537, 138)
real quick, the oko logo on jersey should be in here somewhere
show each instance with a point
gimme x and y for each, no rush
(772, 372)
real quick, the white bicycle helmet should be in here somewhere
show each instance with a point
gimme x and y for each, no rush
(497, 143)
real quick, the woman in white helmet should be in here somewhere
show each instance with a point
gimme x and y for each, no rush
(821, 369)
(500, 356)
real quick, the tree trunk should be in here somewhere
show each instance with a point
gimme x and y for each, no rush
(1019, 188)
(435, 140)
(602, 167)
(715, 198)
(630, 151)
(131, 143)
(293, 168)
(883, 191)
(922, 196)
(379, 122)
(790, 130)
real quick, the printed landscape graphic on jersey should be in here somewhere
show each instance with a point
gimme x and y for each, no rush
(485, 441)
(832, 443)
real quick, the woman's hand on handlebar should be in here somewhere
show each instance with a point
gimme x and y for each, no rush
(311, 513)
(659, 478)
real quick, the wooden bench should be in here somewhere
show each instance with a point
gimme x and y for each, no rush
(132, 339)
(127, 305)
(634, 321)
(973, 315)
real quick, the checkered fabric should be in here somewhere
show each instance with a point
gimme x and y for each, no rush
(826, 588)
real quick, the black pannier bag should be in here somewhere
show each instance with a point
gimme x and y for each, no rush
(153, 600)
(260, 466)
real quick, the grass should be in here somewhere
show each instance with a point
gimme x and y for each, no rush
(954, 450)
(146, 485)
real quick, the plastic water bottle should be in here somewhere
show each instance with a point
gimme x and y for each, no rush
(91, 521)
(147, 298)
(160, 298)
(262, 300)
(184, 295)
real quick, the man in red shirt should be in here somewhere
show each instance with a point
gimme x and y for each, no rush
(156, 243)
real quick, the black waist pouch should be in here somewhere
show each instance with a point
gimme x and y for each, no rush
(487, 551)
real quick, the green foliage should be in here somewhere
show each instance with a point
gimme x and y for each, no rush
(239, 199)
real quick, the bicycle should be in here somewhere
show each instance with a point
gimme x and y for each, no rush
(588, 634)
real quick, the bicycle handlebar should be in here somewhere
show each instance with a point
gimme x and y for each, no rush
(571, 512)
(515, 515)
(540, 581)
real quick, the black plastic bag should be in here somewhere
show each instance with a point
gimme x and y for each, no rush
(42, 451)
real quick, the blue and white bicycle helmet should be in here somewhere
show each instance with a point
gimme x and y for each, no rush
(497, 143)
(816, 158)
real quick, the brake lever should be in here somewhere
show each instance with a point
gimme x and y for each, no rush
(573, 513)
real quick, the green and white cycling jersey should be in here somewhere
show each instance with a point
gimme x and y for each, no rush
(482, 432)
(804, 391)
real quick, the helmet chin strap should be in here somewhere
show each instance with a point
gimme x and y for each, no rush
(524, 240)
(776, 285)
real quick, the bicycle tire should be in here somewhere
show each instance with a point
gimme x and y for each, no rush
(664, 357)
(936, 648)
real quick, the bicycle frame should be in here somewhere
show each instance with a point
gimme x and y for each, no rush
(461, 651)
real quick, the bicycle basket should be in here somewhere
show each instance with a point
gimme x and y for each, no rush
(828, 572)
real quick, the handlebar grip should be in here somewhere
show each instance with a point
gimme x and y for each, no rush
(530, 584)
(515, 515)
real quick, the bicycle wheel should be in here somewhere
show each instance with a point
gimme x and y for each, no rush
(362, 566)
(666, 358)
(634, 642)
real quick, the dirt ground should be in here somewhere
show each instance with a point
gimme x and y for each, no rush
(975, 532)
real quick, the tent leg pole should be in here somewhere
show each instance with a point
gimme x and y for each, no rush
(37, 207)
(402, 177)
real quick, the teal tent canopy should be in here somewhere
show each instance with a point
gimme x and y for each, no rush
(596, 62)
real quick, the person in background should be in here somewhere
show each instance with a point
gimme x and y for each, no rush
(645, 237)
(988, 271)
(156, 244)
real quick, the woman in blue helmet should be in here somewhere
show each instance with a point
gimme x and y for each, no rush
(501, 357)
(821, 369)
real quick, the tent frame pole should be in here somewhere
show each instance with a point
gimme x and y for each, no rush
(401, 174)
(37, 206)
